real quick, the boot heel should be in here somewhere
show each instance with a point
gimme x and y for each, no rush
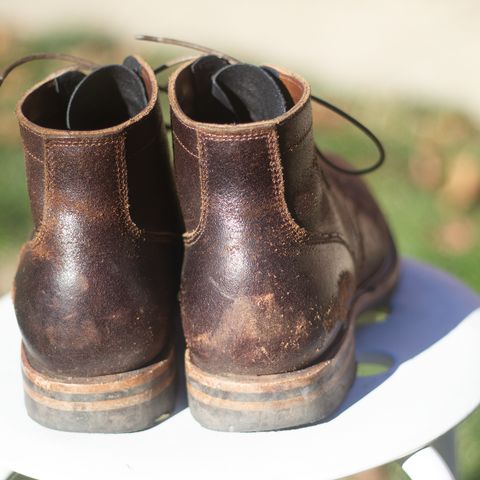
(248, 403)
(124, 402)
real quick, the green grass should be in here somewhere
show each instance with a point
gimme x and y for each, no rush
(416, 214)
(15, 219)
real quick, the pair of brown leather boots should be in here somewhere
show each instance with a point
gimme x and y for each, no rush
(282, 249)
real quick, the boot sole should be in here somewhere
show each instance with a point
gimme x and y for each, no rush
(120, 403)
(248, 403)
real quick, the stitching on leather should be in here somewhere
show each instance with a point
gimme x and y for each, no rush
(302, 138)
(297, 233)
(88, 144)
(80, 143)
(246, 136)
(40, 233)
(184, 147)
(33, 132)
(191, 237)
(36, 135)
(122, 187)
(64, 142)
(121, 181)
(335, 236)
(184, 124)
(30, 154)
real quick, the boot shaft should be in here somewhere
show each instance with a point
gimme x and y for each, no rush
(95, 173)
(221, 171)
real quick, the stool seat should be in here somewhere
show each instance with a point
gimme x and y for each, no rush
(428, 347)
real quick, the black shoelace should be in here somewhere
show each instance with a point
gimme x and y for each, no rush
(80, 62)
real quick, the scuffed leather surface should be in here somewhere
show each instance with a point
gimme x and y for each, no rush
(279, 246)
(95, 292)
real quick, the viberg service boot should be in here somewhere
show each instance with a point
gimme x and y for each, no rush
(96, 285)
(282, 250)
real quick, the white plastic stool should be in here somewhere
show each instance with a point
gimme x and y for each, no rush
(430, 339)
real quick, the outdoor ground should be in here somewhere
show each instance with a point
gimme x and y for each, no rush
(429, 187)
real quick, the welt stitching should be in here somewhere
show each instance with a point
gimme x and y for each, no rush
(191, 237)
(297, 233)
(122, 188)
(184, 147)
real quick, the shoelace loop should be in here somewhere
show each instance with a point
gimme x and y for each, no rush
(356, 123)
(363, 128)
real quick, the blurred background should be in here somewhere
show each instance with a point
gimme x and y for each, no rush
(410, 70)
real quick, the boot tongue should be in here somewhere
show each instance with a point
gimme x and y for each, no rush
(250, 93)
(203, 71)
(108, 96)
(239, 93)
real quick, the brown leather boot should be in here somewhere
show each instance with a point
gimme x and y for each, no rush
(96, 285)
(282, 250)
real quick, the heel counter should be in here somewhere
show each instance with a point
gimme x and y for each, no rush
(264, 311)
